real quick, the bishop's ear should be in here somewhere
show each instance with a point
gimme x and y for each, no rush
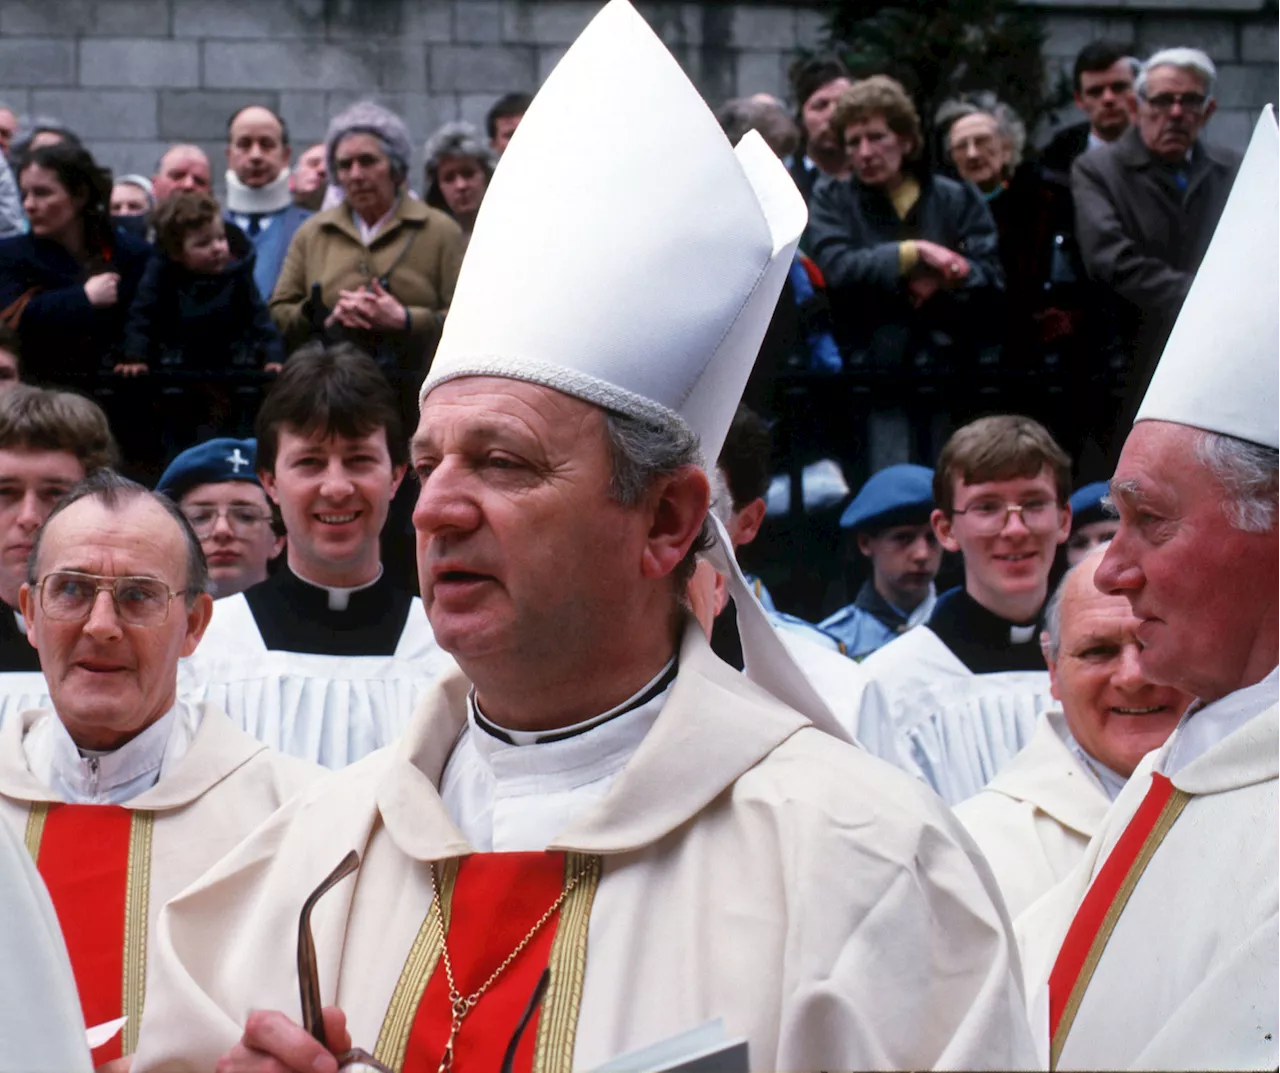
(678, 505)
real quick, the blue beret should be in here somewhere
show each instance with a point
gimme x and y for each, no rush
(902, 489)
(1086, 504)
(210, 462)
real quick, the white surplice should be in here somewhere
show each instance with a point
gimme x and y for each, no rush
(222, 786)
(1035, 818)
(754, 869)
(925, 711)
(1188, 979)
(41, 1028)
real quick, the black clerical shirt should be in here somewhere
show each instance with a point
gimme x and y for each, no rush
(982, 640)
(294, 616)
(16, 653)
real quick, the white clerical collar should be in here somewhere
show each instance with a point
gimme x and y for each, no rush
(1204, 725)
(644, 697)
(368, 232)
(258, 200)
(89, 777)
(1110, 782)
(1096, 142)
(338, 596)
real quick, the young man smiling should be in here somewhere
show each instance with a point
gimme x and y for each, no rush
(1000, 492)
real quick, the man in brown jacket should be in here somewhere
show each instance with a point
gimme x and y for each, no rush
(1148, 203)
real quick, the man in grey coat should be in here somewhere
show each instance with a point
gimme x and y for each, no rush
(1148, 203)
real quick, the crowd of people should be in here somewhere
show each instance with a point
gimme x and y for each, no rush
(417, 534)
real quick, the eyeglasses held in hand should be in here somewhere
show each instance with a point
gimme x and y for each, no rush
(989, 516)
(69, 596)
(239, 519)
(357, 1059)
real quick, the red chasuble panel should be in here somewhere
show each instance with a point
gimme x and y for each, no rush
(84, 861)
(497, 899)
(1103, 903)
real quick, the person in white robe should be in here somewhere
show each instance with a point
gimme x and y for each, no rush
(326, 658)
(1034, 819)
(1162, 948)
(954, 700)
(122, 793)
(41, 1027)
(599, 797)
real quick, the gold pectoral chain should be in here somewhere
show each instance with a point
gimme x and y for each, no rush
(459, 1004)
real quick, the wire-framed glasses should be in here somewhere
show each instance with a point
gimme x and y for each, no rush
(240, 519)
(69, 596)
(989, 516)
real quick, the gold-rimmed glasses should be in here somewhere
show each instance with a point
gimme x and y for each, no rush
(69, 596)
(988, 517)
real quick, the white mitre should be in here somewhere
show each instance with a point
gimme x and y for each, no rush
(1220, 370)
(639, 274)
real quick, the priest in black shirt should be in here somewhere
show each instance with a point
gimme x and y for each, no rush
(953, 699)
(331, 455)
(49, 440)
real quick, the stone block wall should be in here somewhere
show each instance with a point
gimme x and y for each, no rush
(136, 75)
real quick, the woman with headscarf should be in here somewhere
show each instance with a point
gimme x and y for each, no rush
(459, 165)
(65, 287)
(379, 269)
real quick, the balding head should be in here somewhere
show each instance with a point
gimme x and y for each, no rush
(257, 146)
(182, 169)
(1112, 710)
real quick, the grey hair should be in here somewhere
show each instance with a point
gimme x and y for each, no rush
(766, 116)
(1052, 642)
(366, 117)
(113, 491)
(721, 497)
(644, 451)
(458, 139)
(1185, 59)
(142, 183)
(1010, 127)
(1248, 474)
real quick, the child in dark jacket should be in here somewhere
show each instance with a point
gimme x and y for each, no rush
(197, 307)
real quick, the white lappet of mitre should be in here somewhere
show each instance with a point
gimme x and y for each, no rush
(1220, 370)
(640, 275)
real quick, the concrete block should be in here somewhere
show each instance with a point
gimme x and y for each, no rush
(557, 23)
(713, 71)
(1258, 42)
(765, 27)
(132, 18)
(196, 115)
(548, 58)
(679, 25)
(761, 72)
(1068, 34)
(282, 65)
(248, 19)
(477, 22)
(139, 62)
(474, 108)
(1217, 37)
(1218, 6)
(126, 115)
(421, 114)
(425, 20)
(1232, 128)
(482, 69)
(125, 157)
(32, 61)
(46, 18)
(16, 98)
(1245, 86)
(811, 30)
(307, 116)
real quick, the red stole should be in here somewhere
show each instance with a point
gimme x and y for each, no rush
(1105, 900)
(497, 899)
(85, 854)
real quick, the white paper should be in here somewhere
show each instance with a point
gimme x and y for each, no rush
(100, 1034)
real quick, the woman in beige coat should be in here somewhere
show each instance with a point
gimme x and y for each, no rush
(379, 269)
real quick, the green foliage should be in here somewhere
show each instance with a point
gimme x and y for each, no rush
(941, 48)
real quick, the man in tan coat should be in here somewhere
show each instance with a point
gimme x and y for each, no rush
(599, 799)
(123, 794)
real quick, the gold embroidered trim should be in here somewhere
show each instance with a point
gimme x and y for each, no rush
(558, 1020)
(1171, 811)
(137, 901)
(36, 815)
(393, 1039)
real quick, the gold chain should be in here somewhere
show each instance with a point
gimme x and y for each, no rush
(460, 1005)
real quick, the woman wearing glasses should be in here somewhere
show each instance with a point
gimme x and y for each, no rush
(216, 486)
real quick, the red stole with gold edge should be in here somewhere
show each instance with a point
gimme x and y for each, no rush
(95, 861)
(1105, 900)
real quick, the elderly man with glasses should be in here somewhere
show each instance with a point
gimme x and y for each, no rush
(953, 699)
(216, 485)
(1147, 204)
(123, 793)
